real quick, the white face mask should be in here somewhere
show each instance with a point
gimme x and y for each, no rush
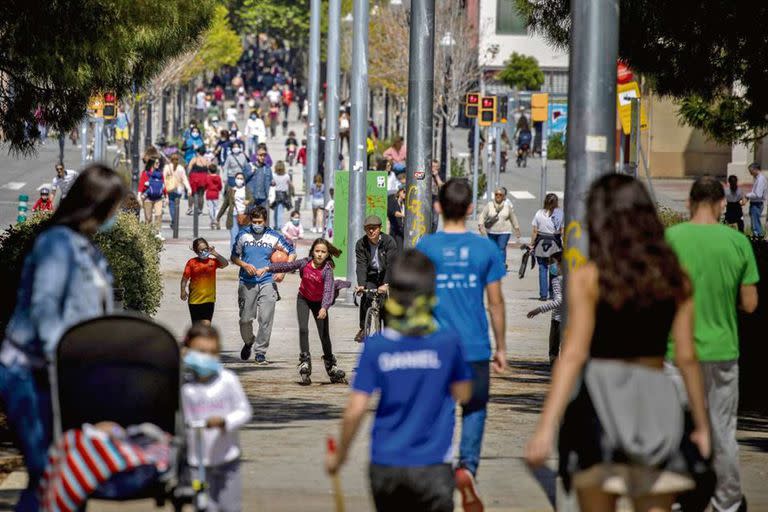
(239, 182)
(236, 150)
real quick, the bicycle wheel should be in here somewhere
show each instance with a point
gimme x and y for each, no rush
(372, 322)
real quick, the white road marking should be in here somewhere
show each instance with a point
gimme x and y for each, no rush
(521, 194)
(14, 185)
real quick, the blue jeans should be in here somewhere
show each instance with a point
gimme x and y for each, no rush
(473, 415)
(543, 277)
(233, 232)
(501, 240)
(27, 404)
(279, 212)
(755, 211)
(173, 205)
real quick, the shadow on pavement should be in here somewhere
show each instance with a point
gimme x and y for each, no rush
(528, 403)
(288, 410)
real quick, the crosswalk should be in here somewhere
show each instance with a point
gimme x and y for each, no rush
(19, 185)
(525, 195)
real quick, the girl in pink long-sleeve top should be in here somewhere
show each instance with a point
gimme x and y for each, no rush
(293, 230)
(317, 293)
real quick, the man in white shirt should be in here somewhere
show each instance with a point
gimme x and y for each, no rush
(757, 199)
(273, 95)
(62, 182)
(255, 132)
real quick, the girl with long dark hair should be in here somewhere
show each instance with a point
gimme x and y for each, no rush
(622, 432)
(546, 239)
(65, 280)
(317, 293)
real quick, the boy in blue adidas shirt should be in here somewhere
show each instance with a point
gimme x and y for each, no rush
(469, 270)
(420, 373)
(257, 295)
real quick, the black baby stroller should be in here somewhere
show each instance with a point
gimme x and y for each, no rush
(127, 370)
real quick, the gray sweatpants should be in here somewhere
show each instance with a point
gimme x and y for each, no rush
(225, 487)
(721, 384)
(256, 301)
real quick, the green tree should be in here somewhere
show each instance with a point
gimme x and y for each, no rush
(221, 46)
(54, 55)
(522, 72)
(707, 54)
(286, 19)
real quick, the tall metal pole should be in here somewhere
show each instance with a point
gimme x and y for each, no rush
(543, 178)
(332, 96)
(591, 115)
(421, 83)
(476, 154)
(148, 128)
(497, 147)
(313, 93)
(135, 129)
(84, 141)
(98, 140)
(357, 150)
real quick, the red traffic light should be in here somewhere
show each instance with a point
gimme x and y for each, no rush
(109, 97)
(472, 99)
(487, 103)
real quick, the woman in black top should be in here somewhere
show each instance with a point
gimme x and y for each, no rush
(622, 305)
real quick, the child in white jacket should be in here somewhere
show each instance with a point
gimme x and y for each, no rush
(213, 395)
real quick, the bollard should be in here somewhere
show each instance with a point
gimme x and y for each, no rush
(23, 208)
(195, 213)
(176, 218)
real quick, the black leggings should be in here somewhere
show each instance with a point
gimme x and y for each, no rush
(303, 307)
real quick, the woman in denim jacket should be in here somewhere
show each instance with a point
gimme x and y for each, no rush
(65, 280)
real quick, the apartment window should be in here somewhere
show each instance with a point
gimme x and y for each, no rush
(508, 19)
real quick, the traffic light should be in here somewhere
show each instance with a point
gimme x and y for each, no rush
(471, 104)
(487, 110)
(503, 113)
(109, 110)
(539, 106)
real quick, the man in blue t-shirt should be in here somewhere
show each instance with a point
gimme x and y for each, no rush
(468, 266)
(419, 371)
(256, 296)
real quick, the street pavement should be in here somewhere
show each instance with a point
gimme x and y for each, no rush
(283, 446)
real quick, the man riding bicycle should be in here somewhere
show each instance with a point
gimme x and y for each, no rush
(374, 254)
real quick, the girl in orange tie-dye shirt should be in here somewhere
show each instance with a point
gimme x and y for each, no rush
(200, 275)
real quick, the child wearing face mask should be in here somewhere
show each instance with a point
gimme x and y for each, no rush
(213, 188)
(293, 230)
(198, 283)
(555, 306)
(212, 396)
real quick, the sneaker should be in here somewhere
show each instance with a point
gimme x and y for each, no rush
(359, 336)
(189, 212)
(465, 484)
(260, 359)
(245, 352)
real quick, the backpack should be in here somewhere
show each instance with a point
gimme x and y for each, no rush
(524, 137)
(155, 186)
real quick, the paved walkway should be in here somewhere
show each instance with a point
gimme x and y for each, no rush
(283, 446)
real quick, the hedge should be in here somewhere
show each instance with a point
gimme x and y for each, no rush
(131, 248)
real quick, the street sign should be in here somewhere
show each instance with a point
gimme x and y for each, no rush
(624, 95)
(471, 104)
(95, 104)
(487, 111)
(539, 104)
(558, 117)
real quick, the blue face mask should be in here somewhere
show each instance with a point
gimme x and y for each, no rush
(258, 229)
(204, 255)
(203, 365)
(553, 269)
(108, 224)
(295, 222)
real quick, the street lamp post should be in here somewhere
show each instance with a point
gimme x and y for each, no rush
(421, 78)
(313, 135)
(357, 147)
(446, 43)
(332, 97)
